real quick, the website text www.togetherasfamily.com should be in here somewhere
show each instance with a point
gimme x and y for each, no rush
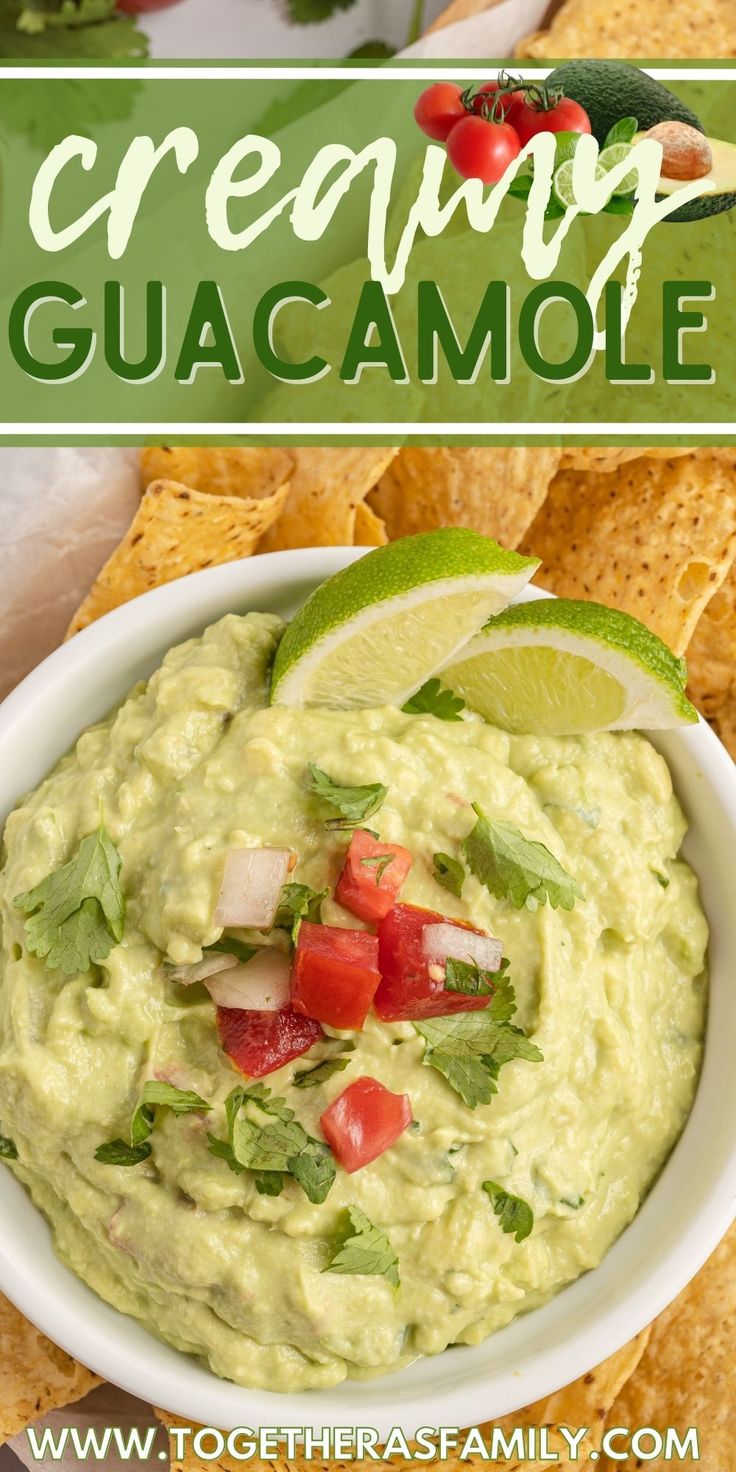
(637, 1445)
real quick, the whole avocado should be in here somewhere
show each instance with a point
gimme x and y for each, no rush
(611, 90)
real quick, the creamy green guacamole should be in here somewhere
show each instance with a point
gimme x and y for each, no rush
(613, 993)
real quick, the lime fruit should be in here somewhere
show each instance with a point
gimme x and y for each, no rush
(615, 154)
(373, 633)
(562, 182)
(561, 667)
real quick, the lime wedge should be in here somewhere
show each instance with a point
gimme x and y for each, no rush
(615, 154)
(562, 182)
(561, 667)
(373, 633)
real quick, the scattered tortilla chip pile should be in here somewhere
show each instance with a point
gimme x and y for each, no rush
(629, 28)
(37, 1376)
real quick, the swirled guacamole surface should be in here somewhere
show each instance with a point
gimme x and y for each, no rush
(612, 992)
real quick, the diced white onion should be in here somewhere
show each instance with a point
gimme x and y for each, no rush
(199, 970)
(260, 985)
(443, 940)
(251, 886)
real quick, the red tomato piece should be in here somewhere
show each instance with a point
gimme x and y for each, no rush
(260, 1042)
(407, 991)
(364, 1121)
(335, 974)
(566, 116)
(482, 150)
(372, 876)
(438, 109)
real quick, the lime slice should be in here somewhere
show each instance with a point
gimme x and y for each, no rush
(615, 154)
(565, 145)
(562, 182)
(373, 633)
(560, 667)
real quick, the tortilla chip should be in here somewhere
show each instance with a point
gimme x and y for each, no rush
(36, 1376)
(493, 490)
(627, 28)
(176, 531)
(656, 538)
(327, 486)
(370, 531)
(223, 471)
(711, 662)
(610, 457)
(687, 1375)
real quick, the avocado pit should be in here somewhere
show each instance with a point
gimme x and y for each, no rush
(686, 153)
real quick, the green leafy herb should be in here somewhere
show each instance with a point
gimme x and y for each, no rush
(298, 902)
(574, 1202)
(434, 700)
(240, 951)
(624, 131)
(117, 1152)
(372, 51)
(77, 914)
(353, 803)
(156, 1092)
(314, 1169)
(8, 1150)
(363, 1249)
(71, 28)
(516, 868)
(663, 880)
(380, 863)
(449, 873)
(515, 1215)
(470, 1048)
(280, 1148)
(308, 12)
(520, 186)
(310, 1078)
(269, 1182)
(619, 204)
(468, 978)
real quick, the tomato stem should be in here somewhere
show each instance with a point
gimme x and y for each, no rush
(417, 22)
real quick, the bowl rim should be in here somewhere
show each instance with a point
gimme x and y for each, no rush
(84, 1325)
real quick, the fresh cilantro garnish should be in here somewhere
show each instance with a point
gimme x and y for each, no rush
(470, 1048)
(364, 1249)
(449, 873)
(280, 1147)
(434, 699)
(71, 28)
(663, 880)
(516, 868)
(8, 1150)
(154, 1094)
(468, 978)
(77, 914)
(515, 1215)
(227, 945)
(309, 1078)
(298, 902)
(353, 803)
(308, 12)
(574, 1202)
(380, 863)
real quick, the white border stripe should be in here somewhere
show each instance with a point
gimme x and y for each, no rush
(278, 73)
(388, 430)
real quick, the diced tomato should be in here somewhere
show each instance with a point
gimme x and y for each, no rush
(364, 1121)
(407, 990)
(335, 974)
(260, 1042)
(372, 876)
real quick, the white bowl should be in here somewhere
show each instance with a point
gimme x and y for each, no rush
(683, 1218)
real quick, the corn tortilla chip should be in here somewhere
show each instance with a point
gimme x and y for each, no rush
(711, 662)
(36, 1376)
(496, 491)
(223, 471)
(687, 1375)
(627, 28)
(327, 485)
(610, 457)
(176, 531)
(656, 538)
(370, 530)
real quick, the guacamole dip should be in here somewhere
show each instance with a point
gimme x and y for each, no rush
(479, 1210)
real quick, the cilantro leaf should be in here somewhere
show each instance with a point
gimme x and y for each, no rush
(72, 28)
(363, 1249)
(117, 1152)
(8, 1150)
(434, 700)
(353, 803)
(516, 868)
(468, 978)
(379, 862)
(449, 873)
(298, 902)
(269, 1183)
(273, 1150)
(470, 1048)
(514, 1214)
(372, 51)
(77, 913)
(227, 945)
(310, 1078)
(314, 1169)
(309, 12)
(224, 1151)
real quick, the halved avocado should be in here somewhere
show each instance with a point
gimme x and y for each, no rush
(721, 182)
(611, 90)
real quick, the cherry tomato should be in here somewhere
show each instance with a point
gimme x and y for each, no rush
(566, 116)
(438, 109)
(138, 7)
(482, 150)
